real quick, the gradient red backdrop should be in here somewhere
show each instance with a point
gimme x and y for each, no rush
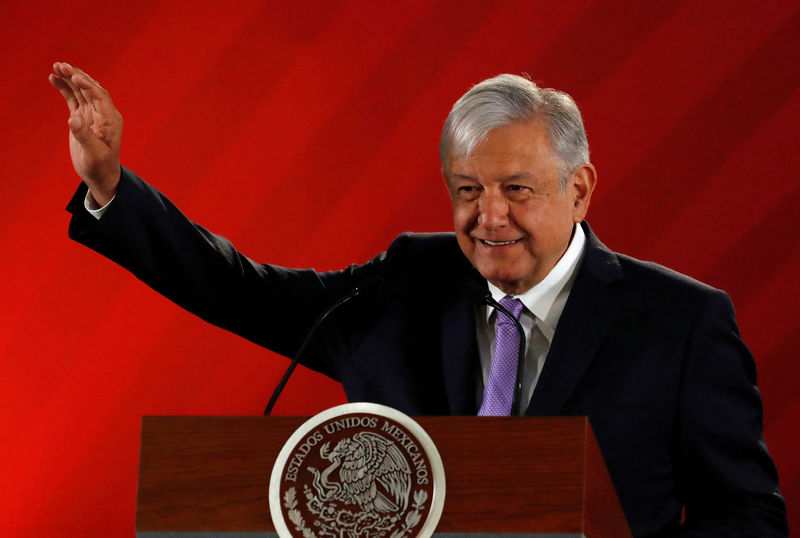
(307, 132)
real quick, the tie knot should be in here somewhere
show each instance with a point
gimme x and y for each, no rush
(514, 306)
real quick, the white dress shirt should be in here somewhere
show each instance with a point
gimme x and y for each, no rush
(92, 206)
(544, 304)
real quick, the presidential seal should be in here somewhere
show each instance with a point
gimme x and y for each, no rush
(357, 470)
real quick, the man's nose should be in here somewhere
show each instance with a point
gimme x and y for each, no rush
(493, 208)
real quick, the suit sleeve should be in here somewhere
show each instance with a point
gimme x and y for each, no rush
(727, 478)
(203, 273)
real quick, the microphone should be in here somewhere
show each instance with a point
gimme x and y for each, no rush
(515, 405)
(369, 285)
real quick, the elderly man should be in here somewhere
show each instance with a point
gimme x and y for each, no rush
(653, 357)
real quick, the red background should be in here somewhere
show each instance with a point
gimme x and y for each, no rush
(307, 132)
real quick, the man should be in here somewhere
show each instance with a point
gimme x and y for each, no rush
(652, 357)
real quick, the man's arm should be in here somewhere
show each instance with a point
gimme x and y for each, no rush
(727, 478)
(148, 235)
(145, 233)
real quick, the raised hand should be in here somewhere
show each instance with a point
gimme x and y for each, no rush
(95, 130)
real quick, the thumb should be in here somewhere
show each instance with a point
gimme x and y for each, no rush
(80, 130)
(77, 127)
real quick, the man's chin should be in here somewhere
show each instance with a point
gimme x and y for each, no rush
(508, 283)
(511, 282)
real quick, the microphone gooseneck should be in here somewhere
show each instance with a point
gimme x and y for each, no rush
(368, 285)
(515, 405)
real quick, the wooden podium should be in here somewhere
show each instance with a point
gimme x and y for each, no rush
(204, 477)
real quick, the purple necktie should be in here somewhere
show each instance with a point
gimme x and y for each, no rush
(498, 395)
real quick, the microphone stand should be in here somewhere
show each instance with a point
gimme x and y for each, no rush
(370, 282)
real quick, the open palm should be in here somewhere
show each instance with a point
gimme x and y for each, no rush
(95, 130)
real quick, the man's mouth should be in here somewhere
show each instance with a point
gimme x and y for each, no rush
(498, 243)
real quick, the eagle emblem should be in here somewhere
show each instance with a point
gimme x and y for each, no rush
(372, 472)
(359, 470)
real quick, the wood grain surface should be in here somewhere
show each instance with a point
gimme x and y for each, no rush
(509, 474)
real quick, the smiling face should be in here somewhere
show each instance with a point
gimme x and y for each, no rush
(512, 219)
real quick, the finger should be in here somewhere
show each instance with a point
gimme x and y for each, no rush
(80, 71)
(58, 69)
(66, 91)
(75, 90)
(87, 89)
(90, 89)
(64, 69)
(93, 92)
(67, 72)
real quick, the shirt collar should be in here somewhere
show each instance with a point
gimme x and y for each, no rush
(540, 298)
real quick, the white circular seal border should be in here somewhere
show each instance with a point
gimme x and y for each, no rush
(437, 469)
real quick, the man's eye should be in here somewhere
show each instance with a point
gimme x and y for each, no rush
(517, 192)
(468, 191)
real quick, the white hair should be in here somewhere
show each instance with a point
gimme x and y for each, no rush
(506, 99)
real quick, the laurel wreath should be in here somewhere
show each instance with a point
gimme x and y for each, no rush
(412, 519)
(290, 502)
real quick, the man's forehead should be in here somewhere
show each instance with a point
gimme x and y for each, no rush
(505, 156)
(509, 140)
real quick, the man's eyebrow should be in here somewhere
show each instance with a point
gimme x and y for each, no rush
(509, 177)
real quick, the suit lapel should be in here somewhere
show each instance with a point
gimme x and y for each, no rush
(588, 314)
(460, 362)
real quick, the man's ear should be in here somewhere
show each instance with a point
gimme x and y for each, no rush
(581, 188)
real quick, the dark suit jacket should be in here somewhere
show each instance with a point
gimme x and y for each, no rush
(653, 357)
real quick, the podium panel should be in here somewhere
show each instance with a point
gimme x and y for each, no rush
(204, 477)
